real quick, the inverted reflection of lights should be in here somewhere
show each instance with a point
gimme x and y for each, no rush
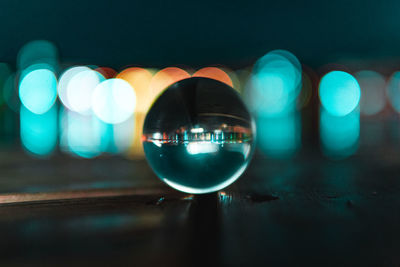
(83, 135)
(393, 91)
(339, 134)
(38, 90)
(195, 148)
(80, 90)
(64, 81)
(113, 101)
(38, 51)
(275, 84)
(339, 93)
(197, 130)
(214, 73)
(372, 86)
(164, 78)
(39, 132)
(279, 137)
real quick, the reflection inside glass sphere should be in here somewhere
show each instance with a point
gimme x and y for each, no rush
(198, 136)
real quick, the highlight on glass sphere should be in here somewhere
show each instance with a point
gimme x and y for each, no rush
(198, 136)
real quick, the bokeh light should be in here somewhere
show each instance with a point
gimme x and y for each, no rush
(113, 101)
(38, 51)
(107, 72)
(83, 135)
(393, 91)
(372, 86)
(39, 132)
(279, 137)
(80, 90)
(64, 81)
(124, 135)
(10, 93)
(275, 84)
(5, 73)
(38, 90)
(339, 134)
(214, 73)
(139, 79)
(339, 93)
(164, 78)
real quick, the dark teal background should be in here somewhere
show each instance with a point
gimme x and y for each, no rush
(198, 33)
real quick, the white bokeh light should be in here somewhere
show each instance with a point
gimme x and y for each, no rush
(80, 90)
(64, 82)
(113, 101)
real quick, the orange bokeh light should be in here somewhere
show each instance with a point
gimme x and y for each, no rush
(165, 78)
(214, 73)
(139, 79)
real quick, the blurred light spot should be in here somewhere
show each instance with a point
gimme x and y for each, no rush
(5, 73)
(38, 90)
(39, 51)
(214, 73)
(339, 93)
(372, 86)
(306, 91)
(275, 84)
(139, 79)
(64, 81)
(124, 135)
(393, 91)
(339, 134)
(164, 78)
(39, 132)
(10, 93)
(279, 137)
(235, 80)
(80, 90)
(113, 101)
(107, 72)
(83, 135)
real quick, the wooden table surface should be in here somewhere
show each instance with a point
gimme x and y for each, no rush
(113, 211)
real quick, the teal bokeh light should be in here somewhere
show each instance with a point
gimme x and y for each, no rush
(83, 135)
(39, 132)
(279, 137)
(372, 86)
(38, 90)
(339, 93)
(5, 73)
(38, 51)
(393, 91)
(274, 84)
(339, 134)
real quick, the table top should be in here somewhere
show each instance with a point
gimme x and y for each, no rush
(307, 210)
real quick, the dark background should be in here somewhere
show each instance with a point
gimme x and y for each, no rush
(198, 33)
(305, 211)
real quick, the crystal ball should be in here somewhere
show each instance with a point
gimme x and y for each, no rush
(198, 136)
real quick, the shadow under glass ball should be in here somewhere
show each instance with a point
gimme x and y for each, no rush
(198, 136)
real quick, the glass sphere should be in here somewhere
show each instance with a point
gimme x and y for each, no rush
(198, 136)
